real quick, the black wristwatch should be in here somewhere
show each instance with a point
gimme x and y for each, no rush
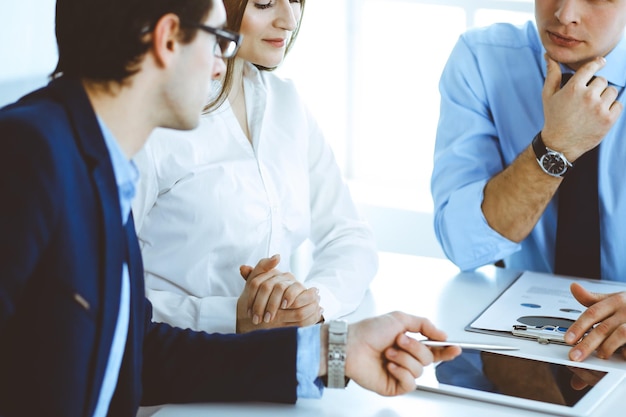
(552, 162)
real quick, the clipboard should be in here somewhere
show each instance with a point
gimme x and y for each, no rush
(537, 306)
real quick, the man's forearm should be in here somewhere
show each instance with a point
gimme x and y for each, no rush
(515, 199)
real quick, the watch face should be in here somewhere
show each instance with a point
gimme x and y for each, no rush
(553, 163)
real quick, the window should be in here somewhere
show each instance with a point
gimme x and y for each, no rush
(28, 49)
(369, 69)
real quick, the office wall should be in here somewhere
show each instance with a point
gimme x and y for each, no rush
(388, 163)
(27, 48)
(28, 54)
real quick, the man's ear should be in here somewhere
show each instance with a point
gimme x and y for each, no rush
(165, 38)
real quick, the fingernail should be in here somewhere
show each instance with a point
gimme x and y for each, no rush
(249, 313)
(284, 304)
(570, 337)
(256, 319)
(575, 355)
(275, 256)
(404, 340)
(267, 317)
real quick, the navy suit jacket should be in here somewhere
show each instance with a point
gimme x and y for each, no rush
(61, 255)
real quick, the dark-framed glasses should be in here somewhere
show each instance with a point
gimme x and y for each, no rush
(227, 43)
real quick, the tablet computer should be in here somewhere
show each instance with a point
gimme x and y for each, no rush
(519, 380)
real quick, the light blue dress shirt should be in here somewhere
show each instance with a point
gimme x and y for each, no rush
(308, 341)
(491, 109)
(308, 362)
(126, 177)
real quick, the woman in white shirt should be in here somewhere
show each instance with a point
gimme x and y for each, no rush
(256, 178)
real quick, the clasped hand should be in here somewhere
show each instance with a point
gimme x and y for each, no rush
(272, 298)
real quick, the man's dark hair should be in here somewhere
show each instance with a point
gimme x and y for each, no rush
(104, 40)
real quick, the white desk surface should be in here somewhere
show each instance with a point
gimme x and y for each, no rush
(427, 287)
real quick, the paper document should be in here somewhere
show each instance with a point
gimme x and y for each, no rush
(538, 302)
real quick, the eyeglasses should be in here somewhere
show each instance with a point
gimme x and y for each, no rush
(228, 42)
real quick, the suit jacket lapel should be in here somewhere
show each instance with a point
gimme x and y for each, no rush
(91, 143)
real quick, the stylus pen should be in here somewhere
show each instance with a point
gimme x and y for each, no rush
(464, 345)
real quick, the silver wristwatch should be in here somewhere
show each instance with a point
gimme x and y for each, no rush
(337, 339)
(552, 162)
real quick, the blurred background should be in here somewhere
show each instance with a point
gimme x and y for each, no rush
(369, 70)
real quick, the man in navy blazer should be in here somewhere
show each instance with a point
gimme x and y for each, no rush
(76, 336)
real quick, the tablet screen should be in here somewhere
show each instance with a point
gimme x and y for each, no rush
(519, 377)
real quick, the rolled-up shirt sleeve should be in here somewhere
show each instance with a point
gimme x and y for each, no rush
(467, 155)
(464, 233)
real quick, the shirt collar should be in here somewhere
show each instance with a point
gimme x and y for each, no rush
(125, 171)
(251, 72)
(614, 70)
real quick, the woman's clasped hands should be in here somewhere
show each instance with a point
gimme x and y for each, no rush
(272, 298)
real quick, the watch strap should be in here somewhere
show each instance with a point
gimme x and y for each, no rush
(538, 146)
(337, 340)
(543, 154)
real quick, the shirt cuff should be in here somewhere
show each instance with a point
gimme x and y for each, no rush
(465, 234)
(308, 362)
(328, 301)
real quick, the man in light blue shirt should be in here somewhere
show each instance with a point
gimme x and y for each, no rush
(499, 89)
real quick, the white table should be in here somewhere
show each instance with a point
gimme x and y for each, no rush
(427, 287)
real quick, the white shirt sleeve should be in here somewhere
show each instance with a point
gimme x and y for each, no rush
(212, 200)
(213, 314)
(345, 258)
(209, 313)
(147, 189)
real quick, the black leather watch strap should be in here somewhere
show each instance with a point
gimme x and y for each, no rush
(538, 146)
(552, 162)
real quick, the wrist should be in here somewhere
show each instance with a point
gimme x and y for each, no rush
(323, 350)
(551, 161)
(334, 338)
(549, 142)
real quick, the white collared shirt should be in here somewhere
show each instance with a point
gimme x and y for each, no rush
(209, 201)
